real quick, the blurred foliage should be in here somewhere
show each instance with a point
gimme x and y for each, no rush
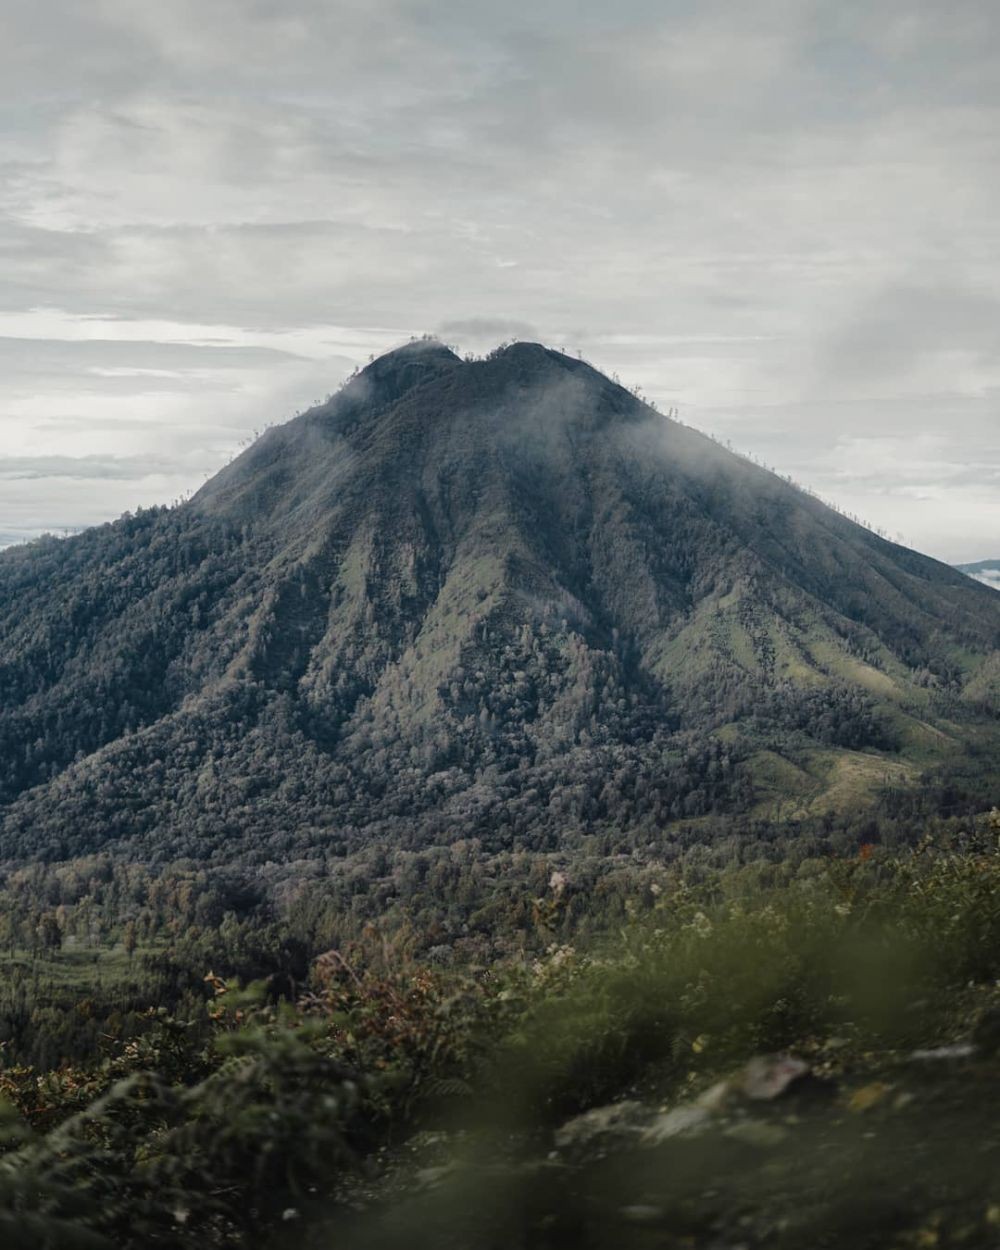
(221, 1129)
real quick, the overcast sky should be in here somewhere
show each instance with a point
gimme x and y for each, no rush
(779, 216)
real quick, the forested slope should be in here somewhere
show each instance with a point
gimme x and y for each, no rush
(500, 596)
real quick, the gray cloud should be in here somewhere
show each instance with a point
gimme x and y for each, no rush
(474, 331)
(84, 468)
(906, 327)
(779, 217)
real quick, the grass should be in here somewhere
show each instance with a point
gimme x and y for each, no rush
(80, 967)
(855, 777)
(829, 779)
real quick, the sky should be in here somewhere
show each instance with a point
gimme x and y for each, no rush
(778, 217)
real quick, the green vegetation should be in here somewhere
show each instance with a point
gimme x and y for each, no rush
(389, 1100)
(499, 599)
(479, 752)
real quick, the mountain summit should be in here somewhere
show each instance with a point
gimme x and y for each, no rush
(500, 597)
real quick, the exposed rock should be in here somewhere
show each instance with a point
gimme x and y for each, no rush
(618, 1119)
(769, 1076)
(957, 1050)
(679, 1122)
(717, 1097)
(431, 1177)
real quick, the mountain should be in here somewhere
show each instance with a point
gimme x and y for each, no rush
(500, 599)
(987, 571)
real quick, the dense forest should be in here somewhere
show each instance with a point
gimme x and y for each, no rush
(90, 943)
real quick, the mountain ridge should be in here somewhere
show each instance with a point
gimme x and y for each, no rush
(500, 595)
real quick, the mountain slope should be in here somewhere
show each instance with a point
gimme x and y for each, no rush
(502, 597)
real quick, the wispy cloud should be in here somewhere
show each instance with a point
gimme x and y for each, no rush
(84, 468)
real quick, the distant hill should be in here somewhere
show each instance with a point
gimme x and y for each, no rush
(987, 571)
(498, 599)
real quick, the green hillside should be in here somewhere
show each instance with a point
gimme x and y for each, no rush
(500, 598)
